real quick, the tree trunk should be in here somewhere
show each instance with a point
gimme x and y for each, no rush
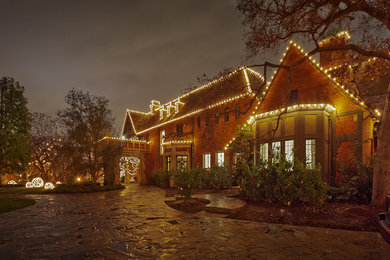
(381, 180)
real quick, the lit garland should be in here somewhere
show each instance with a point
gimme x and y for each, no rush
(29, 185)
(125, 163)
(12, 182)
(58, 182)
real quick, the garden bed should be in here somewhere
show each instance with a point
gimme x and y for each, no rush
(190, 206)
(341, 215)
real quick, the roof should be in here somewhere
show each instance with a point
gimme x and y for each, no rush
(235, 85)
(336, 82)
(369, 78)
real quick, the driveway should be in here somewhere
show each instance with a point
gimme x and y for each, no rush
(136, 223)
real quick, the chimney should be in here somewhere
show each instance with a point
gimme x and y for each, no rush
(333, 58)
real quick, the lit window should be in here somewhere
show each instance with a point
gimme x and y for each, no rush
(206, 160)
(289, 150)
(181, 162)
(264, 152)
(310, 153)
(220, 158)
(162, 139)
(275, 151)
(169, 163)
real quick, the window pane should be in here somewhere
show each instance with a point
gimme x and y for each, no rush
(264, 152)
(206, 160)
(220, 158)
(310, 153)
(275, 151)
(181, 162)
(289, 150)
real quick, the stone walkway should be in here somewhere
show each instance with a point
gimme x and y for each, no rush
(136, 223)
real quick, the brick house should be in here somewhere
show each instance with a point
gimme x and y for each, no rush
(320, 120)
(194, 129)
(313, 117)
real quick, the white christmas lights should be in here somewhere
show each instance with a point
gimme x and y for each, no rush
(12, 182)
(37, 182)
(49, 186)
(29, 185)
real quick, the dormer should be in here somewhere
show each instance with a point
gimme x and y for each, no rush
(154, 105)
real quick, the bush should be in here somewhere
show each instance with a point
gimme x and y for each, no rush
(160, 178)
(188, 181)
(218, 178)
(355, 182)
(284, 183)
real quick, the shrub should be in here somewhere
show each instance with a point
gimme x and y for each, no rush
(283, 182)
(218, 177)
(355, 182)
(188, 181)
(160, 178)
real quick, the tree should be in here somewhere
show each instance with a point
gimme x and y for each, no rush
(15, 127)
(45, 141)
(270, 23)
(86, 120)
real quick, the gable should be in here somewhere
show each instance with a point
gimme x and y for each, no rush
(312, 85)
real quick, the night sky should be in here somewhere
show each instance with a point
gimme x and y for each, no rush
(129, 51)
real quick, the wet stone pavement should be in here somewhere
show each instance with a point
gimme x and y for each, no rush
(136, 223)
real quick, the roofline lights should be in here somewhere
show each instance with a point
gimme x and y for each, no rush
(300, 107)
(124, 139)
(177, 142)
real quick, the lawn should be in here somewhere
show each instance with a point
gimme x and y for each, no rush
(62, 188)
(9, 204)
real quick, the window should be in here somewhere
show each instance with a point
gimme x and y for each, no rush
(220, 158)
(162, 139)
(179, 130)
(289, 150)
(206, 160)
(293, 99)
(207, 119)
(198, 122)
(310, 153)
(275, 151)
(264, 152)
(226, 114)
(148, 137)
(216, 118)
(168, 163)
(236, 158)
(181, 162)
(237, 111)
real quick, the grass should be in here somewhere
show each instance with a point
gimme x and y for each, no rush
(9, 204)
(62, 188)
